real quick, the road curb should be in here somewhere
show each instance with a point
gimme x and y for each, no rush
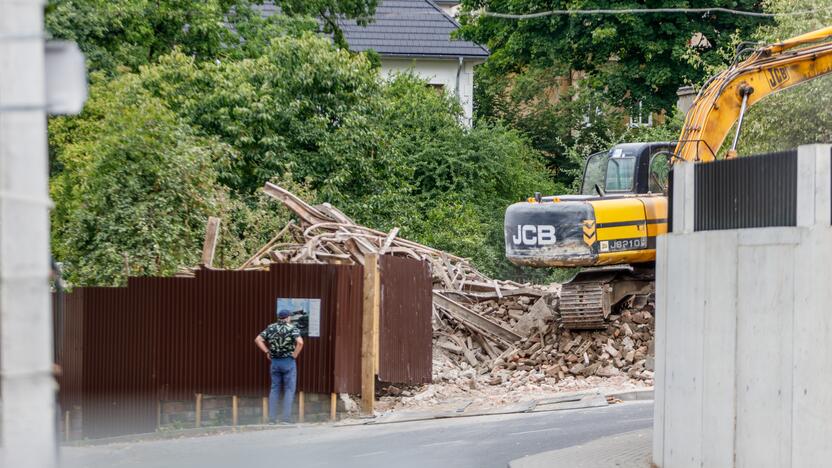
(634, 395)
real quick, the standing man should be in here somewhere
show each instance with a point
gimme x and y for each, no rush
(281, 343)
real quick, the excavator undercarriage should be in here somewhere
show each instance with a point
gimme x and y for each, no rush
(595, 293)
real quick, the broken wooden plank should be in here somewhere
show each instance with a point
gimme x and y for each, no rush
(268, 245)
(497, 290)
(306, 212)
(212, 234)
(493, 295)
(389, 240)
(475, 320)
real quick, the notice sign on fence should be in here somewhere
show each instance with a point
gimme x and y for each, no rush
(306, 314)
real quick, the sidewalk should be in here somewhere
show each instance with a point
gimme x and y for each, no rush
(628, 450)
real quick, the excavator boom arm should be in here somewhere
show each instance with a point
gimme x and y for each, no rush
(768, 70)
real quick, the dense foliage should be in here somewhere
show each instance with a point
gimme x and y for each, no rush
(572, 83)
(131, 33)
(135, 187)
(194, 138)
(630, 58)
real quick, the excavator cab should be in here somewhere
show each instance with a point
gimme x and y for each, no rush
(628, 168)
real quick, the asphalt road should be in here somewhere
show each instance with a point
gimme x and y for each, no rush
(475, 442)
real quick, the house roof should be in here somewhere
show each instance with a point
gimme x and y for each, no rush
(405, 28)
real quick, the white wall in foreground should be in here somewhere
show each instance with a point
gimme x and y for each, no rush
(744, 337)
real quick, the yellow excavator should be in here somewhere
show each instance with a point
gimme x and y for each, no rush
(610, 228)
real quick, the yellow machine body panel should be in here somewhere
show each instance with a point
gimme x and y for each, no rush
(623, 228)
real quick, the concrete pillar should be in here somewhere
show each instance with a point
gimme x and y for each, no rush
(28, 387)
(814, 185)
(683, 197)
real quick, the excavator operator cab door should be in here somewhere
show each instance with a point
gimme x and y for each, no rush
(658, 168)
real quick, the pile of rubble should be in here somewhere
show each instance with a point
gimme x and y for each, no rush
(487, 333)
(544, 351)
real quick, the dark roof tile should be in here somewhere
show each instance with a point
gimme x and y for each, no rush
(405, 28)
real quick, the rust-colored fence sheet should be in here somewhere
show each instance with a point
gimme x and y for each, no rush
(122, 350)
(405, 332)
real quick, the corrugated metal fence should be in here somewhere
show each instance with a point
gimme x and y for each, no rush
(755, 191)
(405, 331)
(747, 192)
(124, 349)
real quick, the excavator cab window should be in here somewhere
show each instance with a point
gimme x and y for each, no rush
(621, 170)
(594, 173)
(612, 171)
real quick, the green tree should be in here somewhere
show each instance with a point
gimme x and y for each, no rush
(304, 113)
(136, 187)
(630, 58)
(132, 33)
(135, 32)
(275, 110)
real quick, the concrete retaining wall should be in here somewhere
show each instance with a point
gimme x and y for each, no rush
(744, 335)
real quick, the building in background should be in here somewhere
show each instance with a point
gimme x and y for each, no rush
(415, 35)
(450, 7)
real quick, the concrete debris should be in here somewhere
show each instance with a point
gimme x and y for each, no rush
(546, 357)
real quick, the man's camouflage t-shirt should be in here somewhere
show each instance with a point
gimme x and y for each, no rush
(281, 338)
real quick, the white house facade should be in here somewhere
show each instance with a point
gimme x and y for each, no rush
(415, 36)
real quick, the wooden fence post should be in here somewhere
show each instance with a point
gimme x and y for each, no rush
(301, 407)
(369, 332)
(198, 410)
(212, 229)
(234, 410)
(265, 416)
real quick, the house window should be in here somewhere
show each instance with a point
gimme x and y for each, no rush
(640, 118)
(439, 88)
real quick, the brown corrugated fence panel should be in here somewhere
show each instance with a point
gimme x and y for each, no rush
(348, 323)
(118, 391)
(405, 340)
(71, 343)
(169, 338)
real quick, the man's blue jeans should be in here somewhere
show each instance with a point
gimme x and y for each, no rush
(284, 376)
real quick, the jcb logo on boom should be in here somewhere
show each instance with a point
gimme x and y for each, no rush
(532, 234)
(777, 76)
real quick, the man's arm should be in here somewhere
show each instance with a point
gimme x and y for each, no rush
(261, 343)
(298, 347)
